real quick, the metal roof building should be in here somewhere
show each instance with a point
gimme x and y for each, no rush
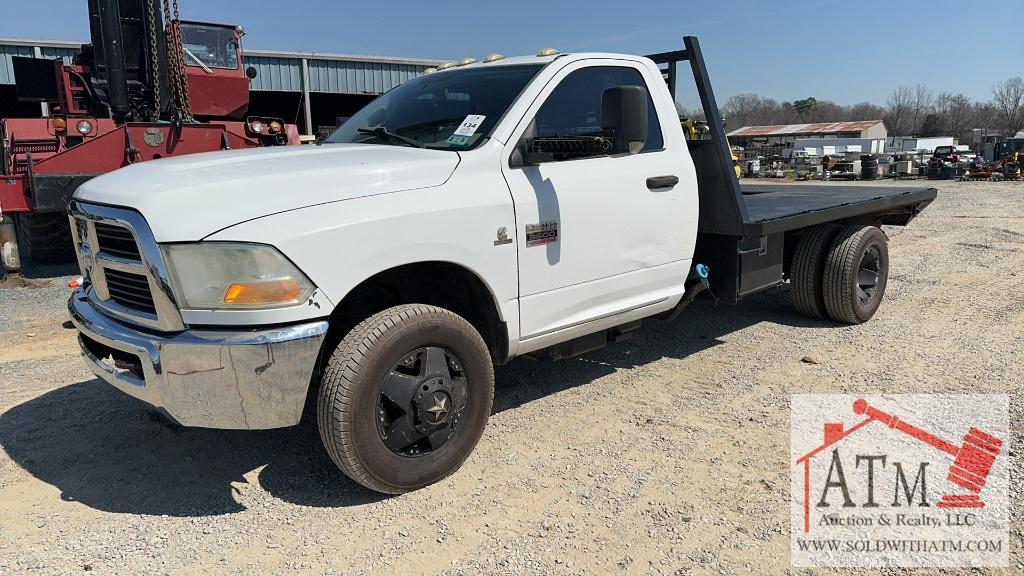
(311, 74)
(787, 134)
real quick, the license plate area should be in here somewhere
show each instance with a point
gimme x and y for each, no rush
(124, 364)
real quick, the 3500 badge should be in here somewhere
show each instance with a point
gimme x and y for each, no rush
(540, 234)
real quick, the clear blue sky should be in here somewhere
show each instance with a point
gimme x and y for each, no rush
(830, 49)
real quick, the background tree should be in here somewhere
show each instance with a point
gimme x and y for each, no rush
(806, 107)
(684, 112)
(898, 108)
(826, 111)
(933, 125)
(921, 107)
(741, 109)
(750, 110)
(1008, 98)
(957, 114)
(909, 111)
(863, 111)
(985, 115)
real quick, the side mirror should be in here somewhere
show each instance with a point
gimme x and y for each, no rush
(251, 72)
(624, 114)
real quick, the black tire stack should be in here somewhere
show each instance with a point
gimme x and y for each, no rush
(826, 269)
(45, 238)
(868, 167)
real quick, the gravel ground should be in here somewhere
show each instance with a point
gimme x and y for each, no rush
(665, 454)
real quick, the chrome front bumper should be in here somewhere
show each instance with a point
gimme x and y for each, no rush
(239, 379)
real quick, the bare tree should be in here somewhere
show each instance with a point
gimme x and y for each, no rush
(788, 114)
(899, 105)
(828, 111)
(744, 110)
(921, 107)
(910, 110)
(1008, 98)
(957, 113)
(985, 115)
(863, 111)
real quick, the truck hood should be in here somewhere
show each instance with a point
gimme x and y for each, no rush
(190, 197)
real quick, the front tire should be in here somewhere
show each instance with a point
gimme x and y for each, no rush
(405, 397)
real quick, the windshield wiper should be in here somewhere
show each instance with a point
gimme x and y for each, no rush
(198, 61)
(382, 131)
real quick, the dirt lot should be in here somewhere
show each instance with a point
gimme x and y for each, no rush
(666, 454)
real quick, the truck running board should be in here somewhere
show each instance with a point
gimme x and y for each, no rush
(587, 343)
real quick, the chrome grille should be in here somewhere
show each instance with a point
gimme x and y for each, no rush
(130, 290)
(124, 272)
(117, 241)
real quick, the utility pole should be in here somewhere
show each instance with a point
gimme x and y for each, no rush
(44, 107)
(307, 108)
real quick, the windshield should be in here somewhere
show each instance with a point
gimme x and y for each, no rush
(451, 110)
(213, 46)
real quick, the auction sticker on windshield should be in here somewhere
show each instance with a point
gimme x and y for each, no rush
(919, 480)
(468, 127)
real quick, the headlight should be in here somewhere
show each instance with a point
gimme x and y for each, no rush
(84, 127)
(226, 276)
(257, 126)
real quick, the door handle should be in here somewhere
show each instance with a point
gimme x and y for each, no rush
(662, 182)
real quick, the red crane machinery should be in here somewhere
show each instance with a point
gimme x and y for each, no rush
(141, 90)
(972, 461)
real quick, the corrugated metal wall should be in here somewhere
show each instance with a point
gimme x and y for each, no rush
(51, 52)
(277, 73)
(6, 51)
(351, 77)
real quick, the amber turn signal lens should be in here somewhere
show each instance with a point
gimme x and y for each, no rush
(275, 126)
(279, 291)
(60, 124)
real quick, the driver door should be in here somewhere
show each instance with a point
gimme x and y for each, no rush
(594, 240)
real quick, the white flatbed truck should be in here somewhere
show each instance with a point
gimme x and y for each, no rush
(542, 205)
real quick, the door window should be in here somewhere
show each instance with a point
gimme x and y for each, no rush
(574, 107)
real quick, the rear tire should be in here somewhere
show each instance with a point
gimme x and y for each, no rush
(45, 238)
(856, 272)
(808, 269)
(361, 417)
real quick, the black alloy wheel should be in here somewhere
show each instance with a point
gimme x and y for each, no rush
(405, 397)
(867, 275)
(855, 274)
(421, 401)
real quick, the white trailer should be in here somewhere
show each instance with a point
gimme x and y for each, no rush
(841, 145)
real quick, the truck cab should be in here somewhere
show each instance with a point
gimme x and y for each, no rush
(217, 81)
(142, 89)
(541, 205)
(946, 154)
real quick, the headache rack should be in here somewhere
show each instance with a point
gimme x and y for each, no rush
(742, 238)
(722, 209)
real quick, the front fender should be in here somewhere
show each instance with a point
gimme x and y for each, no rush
(339, 245)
